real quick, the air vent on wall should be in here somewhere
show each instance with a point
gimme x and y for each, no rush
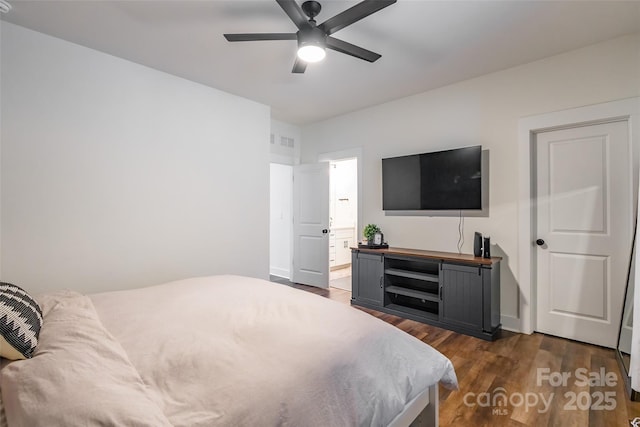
(286, 141)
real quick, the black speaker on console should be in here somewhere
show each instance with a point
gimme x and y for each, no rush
(477, 244)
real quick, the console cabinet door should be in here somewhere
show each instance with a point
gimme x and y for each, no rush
(462, 302)
(367, 278)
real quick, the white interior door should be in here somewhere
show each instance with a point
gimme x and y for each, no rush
(311, 224)
(584, 217)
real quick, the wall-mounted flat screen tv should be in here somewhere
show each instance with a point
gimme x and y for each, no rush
(442, 180)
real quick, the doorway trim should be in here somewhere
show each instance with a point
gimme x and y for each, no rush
(625, 109)
(343, 155)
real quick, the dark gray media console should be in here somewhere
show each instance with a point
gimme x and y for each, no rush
(453, 291)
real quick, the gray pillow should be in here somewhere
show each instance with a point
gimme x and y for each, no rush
(20, 322)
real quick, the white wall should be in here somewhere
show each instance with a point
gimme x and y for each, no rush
(283, 156)
(1, 32)
(280, 239)
(285, 133)
(484, 110)
(115, 175)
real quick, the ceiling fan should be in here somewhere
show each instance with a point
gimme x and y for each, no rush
(314, 39)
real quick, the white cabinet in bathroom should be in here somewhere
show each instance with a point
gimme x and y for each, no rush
(341, 240)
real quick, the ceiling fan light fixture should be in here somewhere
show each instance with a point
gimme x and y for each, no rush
(311, 53)
(314, 39)
(312, 44)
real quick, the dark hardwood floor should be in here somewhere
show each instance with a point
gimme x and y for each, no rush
(524, 372)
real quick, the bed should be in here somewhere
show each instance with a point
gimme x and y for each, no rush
(220, 351)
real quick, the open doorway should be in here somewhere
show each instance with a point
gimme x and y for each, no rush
(343, 213)
(340, 198)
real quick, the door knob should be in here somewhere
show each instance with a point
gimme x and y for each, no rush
(325, 231)
(539, 242)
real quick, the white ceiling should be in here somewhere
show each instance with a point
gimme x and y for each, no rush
(424, 44)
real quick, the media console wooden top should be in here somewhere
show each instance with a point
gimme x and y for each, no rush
(445, 256)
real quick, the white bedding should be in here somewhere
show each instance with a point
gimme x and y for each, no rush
(226, 351)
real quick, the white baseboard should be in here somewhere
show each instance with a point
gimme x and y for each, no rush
(280, 272)
(510, 323)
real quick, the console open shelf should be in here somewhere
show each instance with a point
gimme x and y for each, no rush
(411, 313)
(412, 274)
(398, 290)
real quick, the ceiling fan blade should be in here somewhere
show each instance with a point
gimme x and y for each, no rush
(295, 12)
(351, 49)
(260, 36)
(353, 14)
(299, 66)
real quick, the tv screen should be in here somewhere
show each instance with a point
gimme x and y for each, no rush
(442, 180)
